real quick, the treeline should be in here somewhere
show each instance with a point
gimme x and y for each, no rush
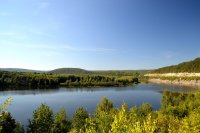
(45, 80)
(135, 73)
(191, 66)
(98, 81)
(27, 79)
(78, 71)
(179, 113)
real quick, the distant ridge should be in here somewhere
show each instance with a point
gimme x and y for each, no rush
(20, 70)
(189, 66)
(79, 71)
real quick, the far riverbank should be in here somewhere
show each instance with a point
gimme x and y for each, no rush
(181, 79)
(189, 83)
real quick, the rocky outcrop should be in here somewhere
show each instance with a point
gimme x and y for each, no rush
(173, 75)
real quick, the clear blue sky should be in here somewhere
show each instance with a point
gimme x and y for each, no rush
(98, 34)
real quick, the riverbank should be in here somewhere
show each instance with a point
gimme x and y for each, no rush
(180, 79)
(189, 83)
(173, 75)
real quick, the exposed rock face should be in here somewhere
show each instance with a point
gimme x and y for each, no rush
(190, 83)
(157, 78)
(174, 75)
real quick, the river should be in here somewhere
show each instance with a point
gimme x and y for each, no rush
(26, 101)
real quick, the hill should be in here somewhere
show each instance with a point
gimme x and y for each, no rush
(190, 67)
(69, 71)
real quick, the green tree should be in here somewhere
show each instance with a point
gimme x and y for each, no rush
(8, 124)
(19, 128)
(5, 105)
(104, 105)
(104, 115)
(61, 125)
(121, 121)
(42, 120)
(79, 119)
(144, 110)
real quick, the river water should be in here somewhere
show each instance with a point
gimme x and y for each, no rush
(26, 101)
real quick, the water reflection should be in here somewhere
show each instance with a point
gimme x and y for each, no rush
(142, 87)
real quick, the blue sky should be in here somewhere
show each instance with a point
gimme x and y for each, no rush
(98, 34)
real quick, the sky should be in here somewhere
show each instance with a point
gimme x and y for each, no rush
(98, 34)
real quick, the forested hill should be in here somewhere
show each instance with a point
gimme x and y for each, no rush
(70, 71)
(190, 66)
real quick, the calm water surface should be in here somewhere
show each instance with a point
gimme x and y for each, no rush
(26, 101)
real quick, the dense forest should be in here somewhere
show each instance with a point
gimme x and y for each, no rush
(46, 80)
(190, 66)
(179, 113)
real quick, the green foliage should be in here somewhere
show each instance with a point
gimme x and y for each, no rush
(61, 124)
(105, 105)
(90, 126)
(19, 128)
(121, 121)
(179, 105)
(190, 66)
(104, 115)
(42, 120)
(141, 112)
(7, 123)
(79, 119)
(5, 105)
(26, 79)
(191, 123)
(97, 81)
